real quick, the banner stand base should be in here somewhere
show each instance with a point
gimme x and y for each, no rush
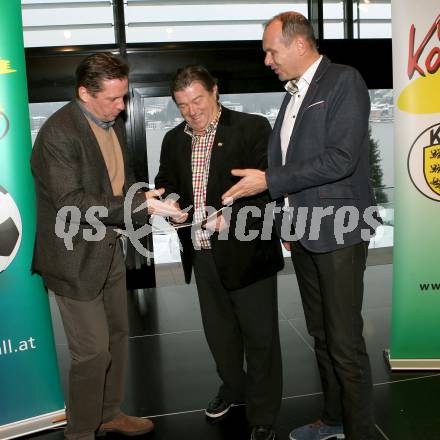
(51, 420)
(410, 364)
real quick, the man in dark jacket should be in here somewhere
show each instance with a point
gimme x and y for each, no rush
(235, 275)
(319, 174)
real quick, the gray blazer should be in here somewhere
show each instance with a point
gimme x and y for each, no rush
(69, 170)
(327, 161)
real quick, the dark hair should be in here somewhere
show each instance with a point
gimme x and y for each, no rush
(187, 75)
(293, 24)
(99, 67)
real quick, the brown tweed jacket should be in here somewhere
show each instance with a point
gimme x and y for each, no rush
(69, 170)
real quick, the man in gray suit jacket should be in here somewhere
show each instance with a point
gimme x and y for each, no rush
(319, 174)
(81, 175)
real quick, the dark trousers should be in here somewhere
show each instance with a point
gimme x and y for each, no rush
(97, 335)
(331, 286)
(242, 323)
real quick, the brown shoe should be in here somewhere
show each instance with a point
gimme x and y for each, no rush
(126, 425)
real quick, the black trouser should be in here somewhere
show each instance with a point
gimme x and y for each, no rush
(238, 323)
(97, 335)
(331, 286)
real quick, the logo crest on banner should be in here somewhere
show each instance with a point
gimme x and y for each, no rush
(424, 162)
(431, 167)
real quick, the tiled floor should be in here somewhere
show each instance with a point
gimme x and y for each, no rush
(171, 376)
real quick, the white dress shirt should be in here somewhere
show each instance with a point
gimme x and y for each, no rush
(298, 89)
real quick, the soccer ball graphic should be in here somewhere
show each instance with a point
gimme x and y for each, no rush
(10, 229)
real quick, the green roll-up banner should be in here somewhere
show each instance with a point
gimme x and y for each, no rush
(30, 391)
(415, 341)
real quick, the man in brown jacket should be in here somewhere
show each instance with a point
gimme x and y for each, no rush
(81, 174)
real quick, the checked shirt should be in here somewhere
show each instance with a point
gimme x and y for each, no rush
(201, 147)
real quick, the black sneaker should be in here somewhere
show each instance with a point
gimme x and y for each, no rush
(262, 432)
(217, 407)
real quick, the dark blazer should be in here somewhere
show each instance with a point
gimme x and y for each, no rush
(327, 161)
(240, 142)
(69, 170)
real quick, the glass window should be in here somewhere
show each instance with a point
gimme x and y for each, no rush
(372, 18)
(382, 156)
(333, 19)
(39, 112)
(189, 20)
(161, 115)
(66, 23)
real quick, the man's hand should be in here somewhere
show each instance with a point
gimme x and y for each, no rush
(181, 218)
(217, 224)
(253, 182)
(154, 193)
(166, 208)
